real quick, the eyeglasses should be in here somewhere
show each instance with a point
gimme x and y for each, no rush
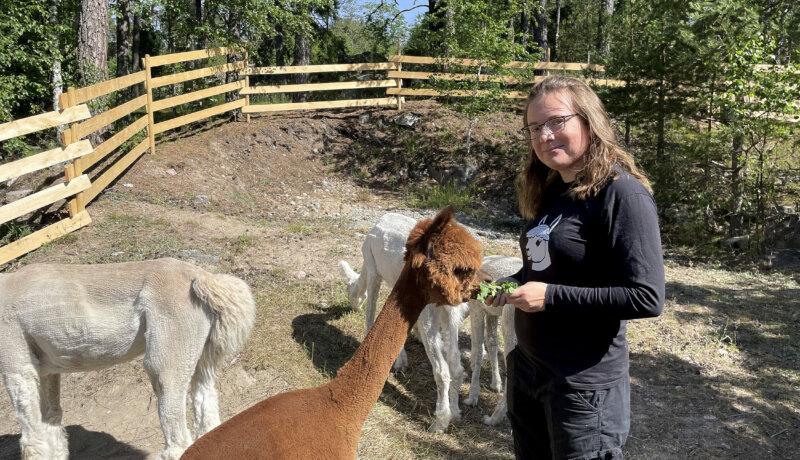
(552, 125)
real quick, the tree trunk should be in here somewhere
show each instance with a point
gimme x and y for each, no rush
(302, 56)
(124, 45)
(136, 60)
(450, 25)
(540, 30)
(57, 78)
(93, 54)
(198, 19)
(525, 28)
(92, 42)
(737, 197)
(661, 125)
(280, 47)
(603, 46)
(554, 54)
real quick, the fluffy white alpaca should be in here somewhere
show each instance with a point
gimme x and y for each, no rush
(437, 328)
(72, 318)
(483, 321)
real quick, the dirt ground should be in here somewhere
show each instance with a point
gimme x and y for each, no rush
(281, 200)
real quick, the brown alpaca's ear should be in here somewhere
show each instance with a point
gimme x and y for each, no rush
(418, 247)
(417, 243)
(441, 220)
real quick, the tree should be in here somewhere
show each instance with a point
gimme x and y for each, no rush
(124, 47)
(604, 14)
(93, 42)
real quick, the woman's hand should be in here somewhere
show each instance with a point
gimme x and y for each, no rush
(529, 297)
(502, 298)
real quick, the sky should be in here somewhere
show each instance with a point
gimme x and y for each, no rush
(410, 16)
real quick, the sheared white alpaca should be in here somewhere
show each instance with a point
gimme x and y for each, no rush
(437, 328)
(72, 318)
(483, 322)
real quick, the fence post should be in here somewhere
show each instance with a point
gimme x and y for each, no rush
(247, 84)
(149, 88)
(399, 86)
(68, 136)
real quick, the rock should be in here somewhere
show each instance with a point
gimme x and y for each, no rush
(171, 172)
(242, 378)
(364, 118)
(17, 194)
(785, 259)
(736, 242)
(197, 256)
(407, 120)
(301, 275)
(117, 253)
(201, 200)
(127, 184)
(489, 234)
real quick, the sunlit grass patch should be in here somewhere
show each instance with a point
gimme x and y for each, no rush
(439, 196)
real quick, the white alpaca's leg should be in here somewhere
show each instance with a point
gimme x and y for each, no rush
(373, 289)
(171, 355)
(205, 401)
(430, 336)
(477, 318)
(492, 348)
(50, 400)
(509, 343)
(452, 318)
(22, 383)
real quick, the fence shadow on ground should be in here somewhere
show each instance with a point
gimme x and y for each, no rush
(83, 445)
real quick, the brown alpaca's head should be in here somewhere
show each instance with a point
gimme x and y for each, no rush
(446, 257)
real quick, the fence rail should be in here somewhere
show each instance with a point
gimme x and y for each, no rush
(88, 171)
(41, 122)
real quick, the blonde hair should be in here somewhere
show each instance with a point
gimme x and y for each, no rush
(603, 153)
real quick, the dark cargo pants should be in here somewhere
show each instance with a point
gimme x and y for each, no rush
(552, 420)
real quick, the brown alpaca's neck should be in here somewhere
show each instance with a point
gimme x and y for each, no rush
(360, 381)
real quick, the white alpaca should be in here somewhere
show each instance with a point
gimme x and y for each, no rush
(437, 328)
(483, 321)
(72, 318)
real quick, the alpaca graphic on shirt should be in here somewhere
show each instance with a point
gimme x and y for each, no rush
(538, 243)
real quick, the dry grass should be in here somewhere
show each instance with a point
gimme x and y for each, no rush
(717, 375)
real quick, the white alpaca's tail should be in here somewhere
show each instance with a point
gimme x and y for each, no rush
(231, 304)
(356, 285)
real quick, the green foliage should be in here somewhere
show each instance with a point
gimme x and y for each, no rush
(492, 289)
(370, 32)
(12, 231)
(439, 196)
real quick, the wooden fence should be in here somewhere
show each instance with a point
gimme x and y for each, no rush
(73, 184)
(89, 171)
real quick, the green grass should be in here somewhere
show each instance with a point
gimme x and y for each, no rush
(439, 196)
(12, 231)
(299, 229)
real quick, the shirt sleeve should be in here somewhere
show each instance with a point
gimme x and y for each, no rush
(637, 290)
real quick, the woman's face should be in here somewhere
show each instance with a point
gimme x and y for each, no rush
(562, 150)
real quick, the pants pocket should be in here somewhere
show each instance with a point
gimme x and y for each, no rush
(591, 399)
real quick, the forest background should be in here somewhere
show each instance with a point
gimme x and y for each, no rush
(710, 106)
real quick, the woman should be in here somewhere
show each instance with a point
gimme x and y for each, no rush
(592, 253)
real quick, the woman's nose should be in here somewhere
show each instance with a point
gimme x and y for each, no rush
(545, 135)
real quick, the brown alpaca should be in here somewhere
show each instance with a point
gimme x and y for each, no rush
(441, 267)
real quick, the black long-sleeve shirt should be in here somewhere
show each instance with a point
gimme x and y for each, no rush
(602, 260)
